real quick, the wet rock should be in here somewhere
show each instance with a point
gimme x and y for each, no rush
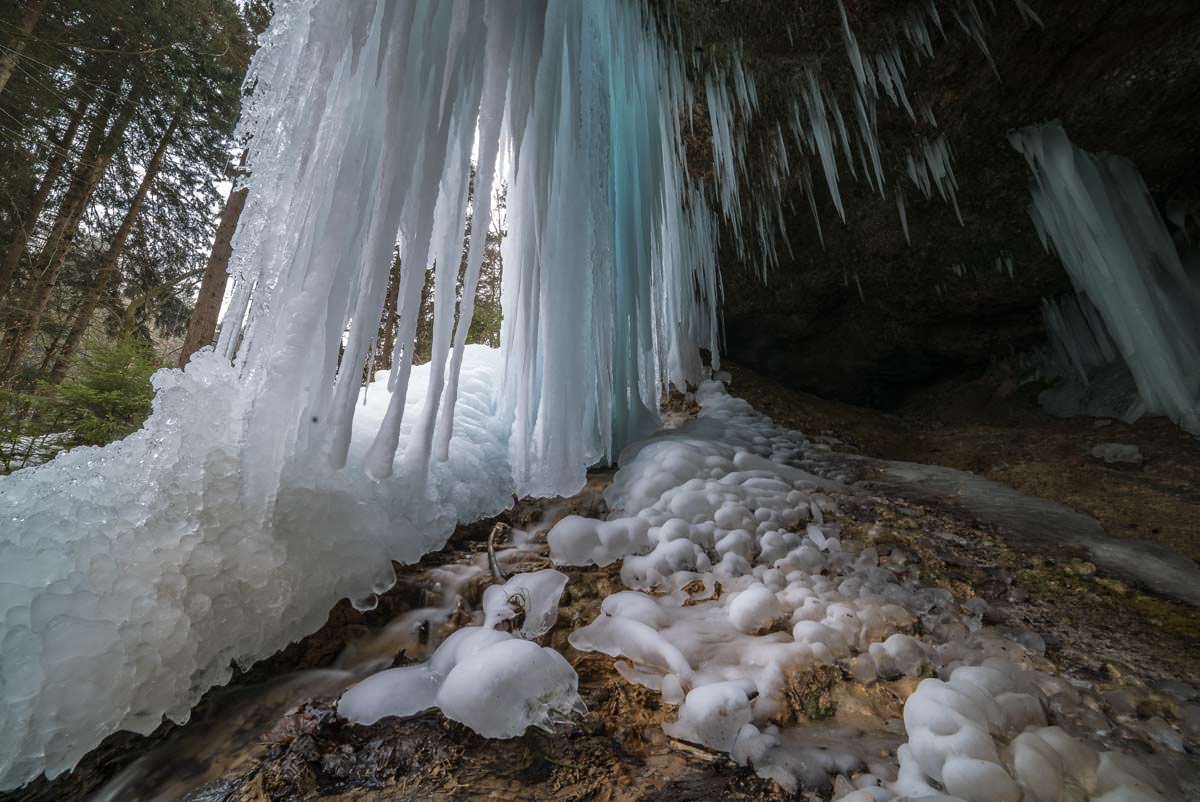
(1189, 721)
(1164, 734)
(992, 589)
(1180, 690)
(1124, 701)
(217, 791)
(997, 614)
(1081, 568)
(810, 694)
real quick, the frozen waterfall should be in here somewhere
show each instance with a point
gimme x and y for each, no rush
(268, 482)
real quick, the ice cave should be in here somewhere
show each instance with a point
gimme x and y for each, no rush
(599, 400)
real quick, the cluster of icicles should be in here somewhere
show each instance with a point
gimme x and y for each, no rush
(269, 482)
(367, 119)
(816, 129)
(1137, 287)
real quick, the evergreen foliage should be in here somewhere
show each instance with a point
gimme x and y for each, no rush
(106, 399)
(115, 140)
(116, 124)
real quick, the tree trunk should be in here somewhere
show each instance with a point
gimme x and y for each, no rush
(17, 307)
(51, 350)
(22, 232)
(32, 12)
(54, 254)
(202, 326)
(383, 360)
(112, 258)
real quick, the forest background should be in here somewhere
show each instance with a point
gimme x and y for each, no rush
(121, 186)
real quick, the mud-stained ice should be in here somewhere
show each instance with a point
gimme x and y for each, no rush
(533, 596)
(744, 607)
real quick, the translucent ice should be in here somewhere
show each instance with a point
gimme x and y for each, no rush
(1097, 214)
(713, 715)
(136, 574)
(533, 596)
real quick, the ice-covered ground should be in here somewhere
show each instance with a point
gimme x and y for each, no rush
(131, 576)
(739, 590)
(739, 587)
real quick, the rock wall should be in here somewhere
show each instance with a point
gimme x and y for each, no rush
(1122, 77)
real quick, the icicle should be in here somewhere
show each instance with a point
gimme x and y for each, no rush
(491, 118)
(866, 127)
(806, 180)
(1101, 220)
(971, 22)
(843, 134)
(823, 136)
(862, 74)
(927, 113)
(936, 17)
(903, 214)
(1028, 14)
(934, 168)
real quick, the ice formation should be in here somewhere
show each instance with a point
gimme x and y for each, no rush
(268, 483)
(1097, 215)
(752, 198)
(133, 575)
(496, 684)
(532, 597)
(741, 589)
(1083, 364)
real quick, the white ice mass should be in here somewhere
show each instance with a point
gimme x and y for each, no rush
(744, 587)
(497, 684)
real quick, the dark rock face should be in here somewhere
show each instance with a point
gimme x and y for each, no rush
(1122, 77)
